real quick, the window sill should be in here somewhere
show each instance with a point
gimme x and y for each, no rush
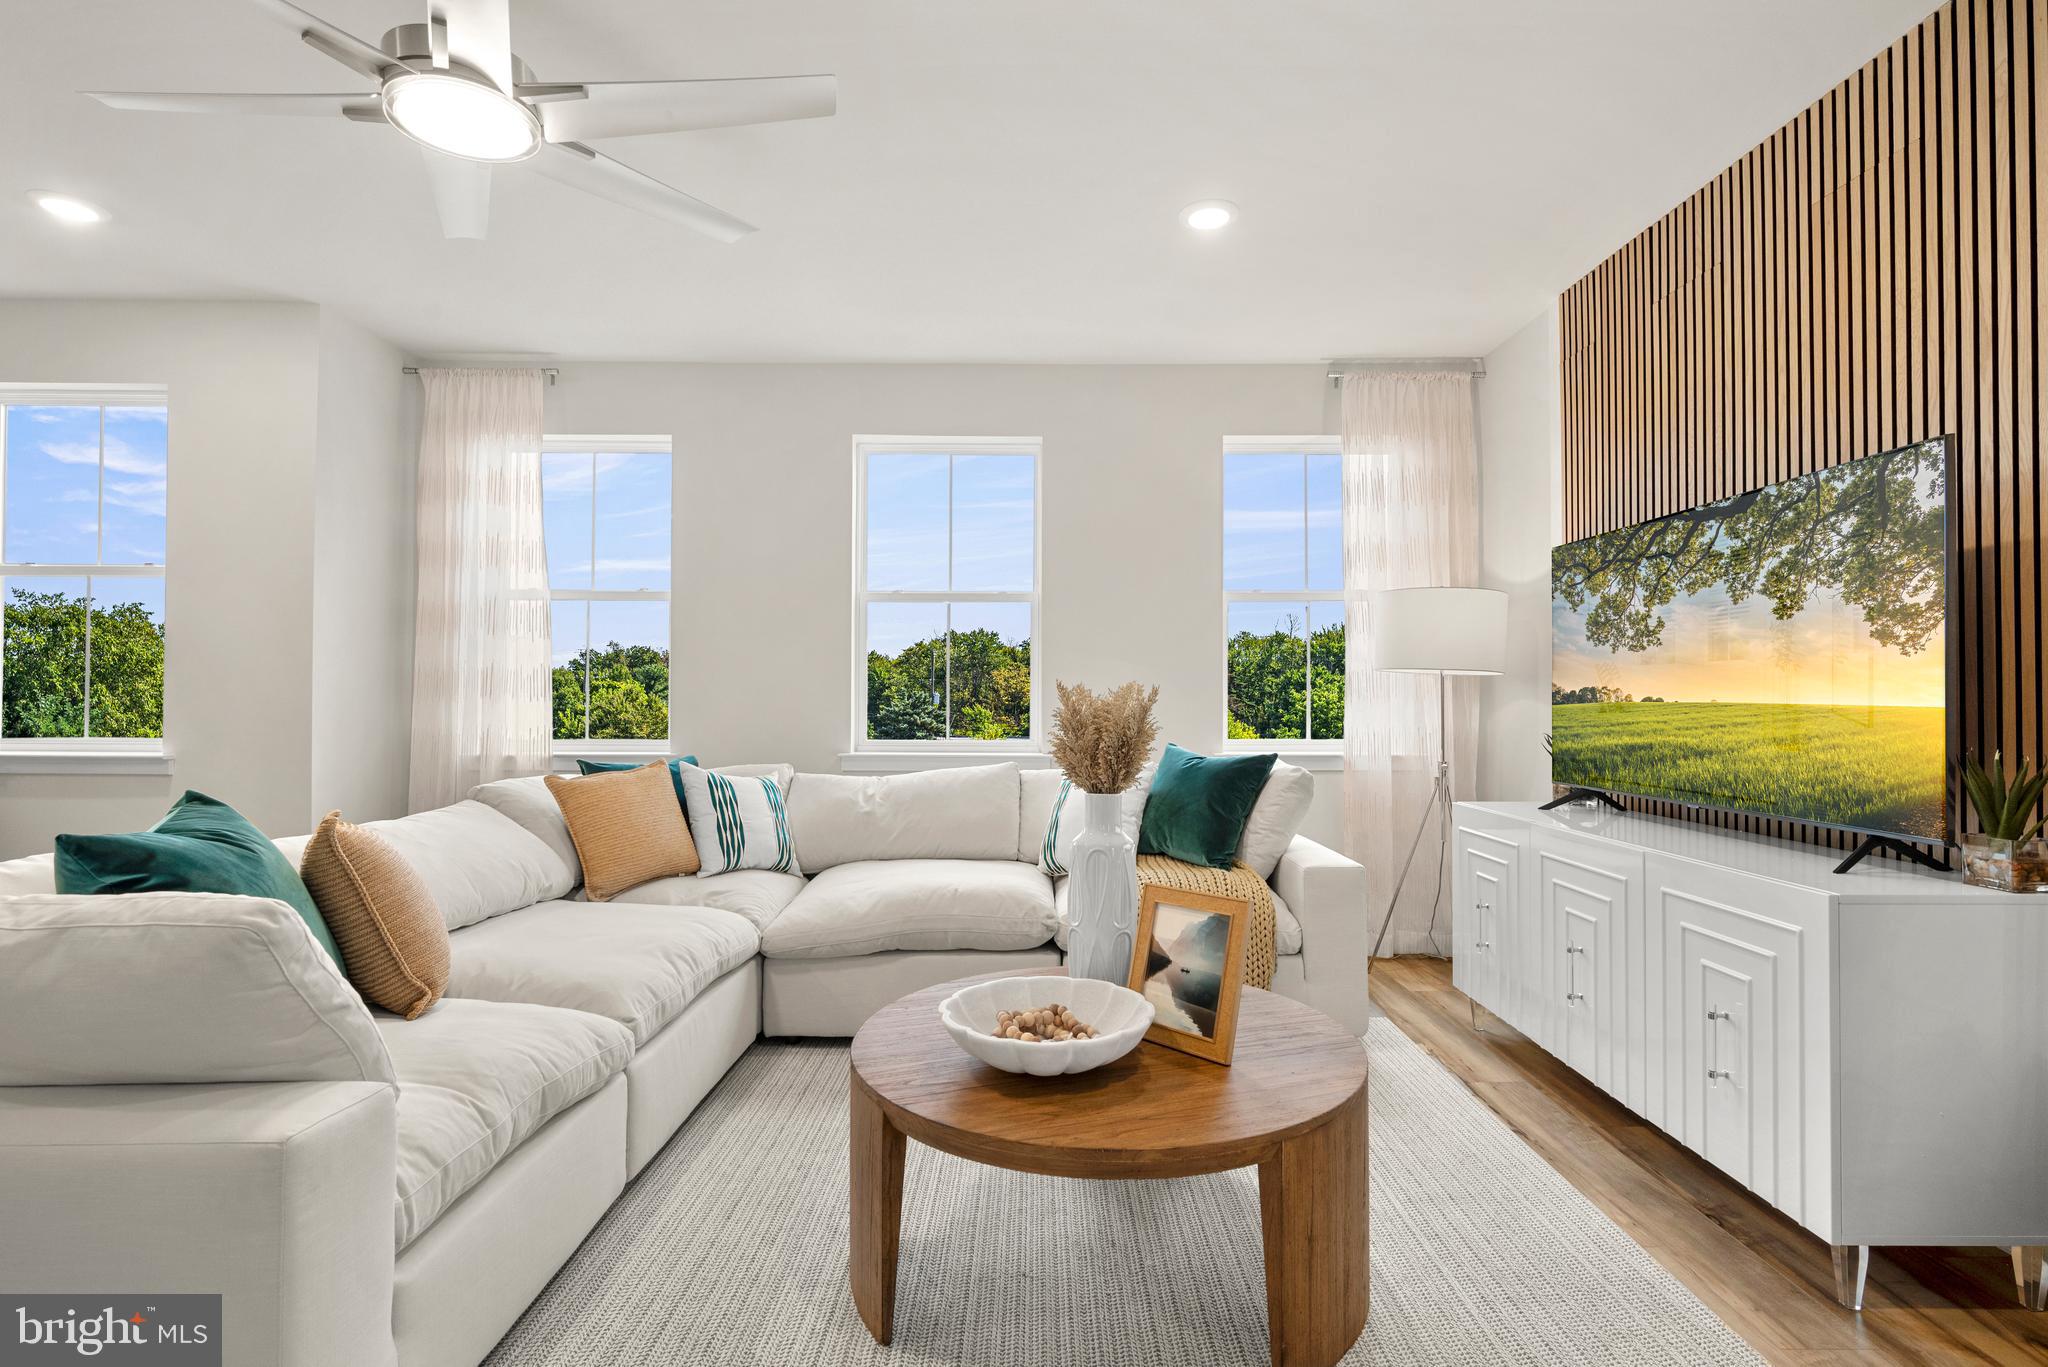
(565, 758)
(912, 761)
(1316, 761)
(62, 761)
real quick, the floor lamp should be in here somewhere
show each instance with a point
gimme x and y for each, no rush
(1438, 631)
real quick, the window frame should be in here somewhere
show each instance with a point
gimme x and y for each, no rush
(1283, 445)
(567, 752)
(98, 754)
(863, 447)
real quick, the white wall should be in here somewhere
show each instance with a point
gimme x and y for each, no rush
(363, 597)
(1519, 506)
(762, 616)
(248, 517)
(243, 381)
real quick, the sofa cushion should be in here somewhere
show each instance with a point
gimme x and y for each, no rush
(32, 874)
(1276, 817)
(627, 826)
(475, 1079)
(528, 802)
(638, 965)
(876, 905)
(394, 946)
(1286, 930)
(174, 987)
(476, 862)
(1198, 805)
(934, 814)
(757, 894)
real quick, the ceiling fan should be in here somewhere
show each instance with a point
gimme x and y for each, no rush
(453, 86)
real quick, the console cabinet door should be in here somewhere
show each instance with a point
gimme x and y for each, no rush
(1589, 910)
(1744, 986)
(1485, 880)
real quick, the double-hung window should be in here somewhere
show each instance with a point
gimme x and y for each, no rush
(606, 506)
(1283, 592)
(83, 474)
(945, 593)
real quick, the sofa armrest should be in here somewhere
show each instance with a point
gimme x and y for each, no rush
(277, 1196)
(1327, 894)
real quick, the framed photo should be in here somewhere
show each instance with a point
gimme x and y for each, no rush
(1189, 963)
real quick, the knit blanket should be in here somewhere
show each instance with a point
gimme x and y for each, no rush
(1237, 882)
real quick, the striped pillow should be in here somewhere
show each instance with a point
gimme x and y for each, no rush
(1056, 851)
(737, 822)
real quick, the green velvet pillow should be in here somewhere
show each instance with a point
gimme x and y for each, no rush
(588, 767)
(201, 845)
(1198, 805)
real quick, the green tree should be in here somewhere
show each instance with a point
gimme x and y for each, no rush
(44, 666)
(986, 680)
(628, 694)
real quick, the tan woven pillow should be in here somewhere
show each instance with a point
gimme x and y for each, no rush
(393, 942)
(628, 828)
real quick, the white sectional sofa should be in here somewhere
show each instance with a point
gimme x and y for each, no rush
(367, 1190)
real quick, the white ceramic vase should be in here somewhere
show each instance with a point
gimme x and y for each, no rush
(1102, 892)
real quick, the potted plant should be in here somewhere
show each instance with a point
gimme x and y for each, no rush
(2008, 854)
(1101, 741)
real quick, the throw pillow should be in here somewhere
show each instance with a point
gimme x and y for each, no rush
(1276, 817)
(739, 822)
(588, 767)
(394, 946)
(627, 828)
(1198, 805)
(200, 845)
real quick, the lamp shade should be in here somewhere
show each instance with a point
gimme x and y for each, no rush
(1440, 630)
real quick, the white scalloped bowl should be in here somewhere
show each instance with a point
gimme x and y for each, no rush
(1119, 1015)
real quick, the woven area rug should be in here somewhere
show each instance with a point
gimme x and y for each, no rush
(731, 1248)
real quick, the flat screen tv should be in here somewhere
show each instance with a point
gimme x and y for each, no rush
(1782, 653)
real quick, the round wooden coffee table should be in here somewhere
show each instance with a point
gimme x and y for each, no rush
(1292, 1102)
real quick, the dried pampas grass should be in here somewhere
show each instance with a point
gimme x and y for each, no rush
(1100, 741)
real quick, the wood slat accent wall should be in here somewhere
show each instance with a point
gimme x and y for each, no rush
(1867, 278)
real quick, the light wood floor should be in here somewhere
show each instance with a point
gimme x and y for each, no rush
(1769, 1280)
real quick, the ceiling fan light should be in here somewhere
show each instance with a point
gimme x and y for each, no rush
(460, 116)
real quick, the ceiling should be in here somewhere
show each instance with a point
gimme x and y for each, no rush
(1003, 181)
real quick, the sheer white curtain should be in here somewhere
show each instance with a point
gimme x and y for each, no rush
(1411, 520)
(481, 697)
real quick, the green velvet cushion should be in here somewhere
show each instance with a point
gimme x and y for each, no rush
(201, 845)
(675, 770)
(1198, 805)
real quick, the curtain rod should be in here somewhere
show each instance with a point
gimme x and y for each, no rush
(546, 370)
(1339, 369)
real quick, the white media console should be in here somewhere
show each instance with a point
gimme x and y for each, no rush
(1868, 1051)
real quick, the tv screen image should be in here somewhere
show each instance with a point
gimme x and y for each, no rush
(1782, 652)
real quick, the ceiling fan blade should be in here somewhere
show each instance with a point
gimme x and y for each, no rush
(574, 164)
(479, 35)
(618, 109)
(168, 102)
(462, 193)
(317, 33)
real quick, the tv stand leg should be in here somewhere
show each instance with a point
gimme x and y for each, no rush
(1583, 794)
(1871, 843)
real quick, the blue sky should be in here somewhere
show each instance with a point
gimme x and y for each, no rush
(992, 538)
(54, 494)
(1282, 521)
(632, 503)
(630, 494)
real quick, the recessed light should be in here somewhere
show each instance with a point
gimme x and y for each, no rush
(66, 209)
(1206, 216)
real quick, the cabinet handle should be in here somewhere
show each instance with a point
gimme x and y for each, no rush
(1482, 907)
(1571, 974)
(1714, 1070)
